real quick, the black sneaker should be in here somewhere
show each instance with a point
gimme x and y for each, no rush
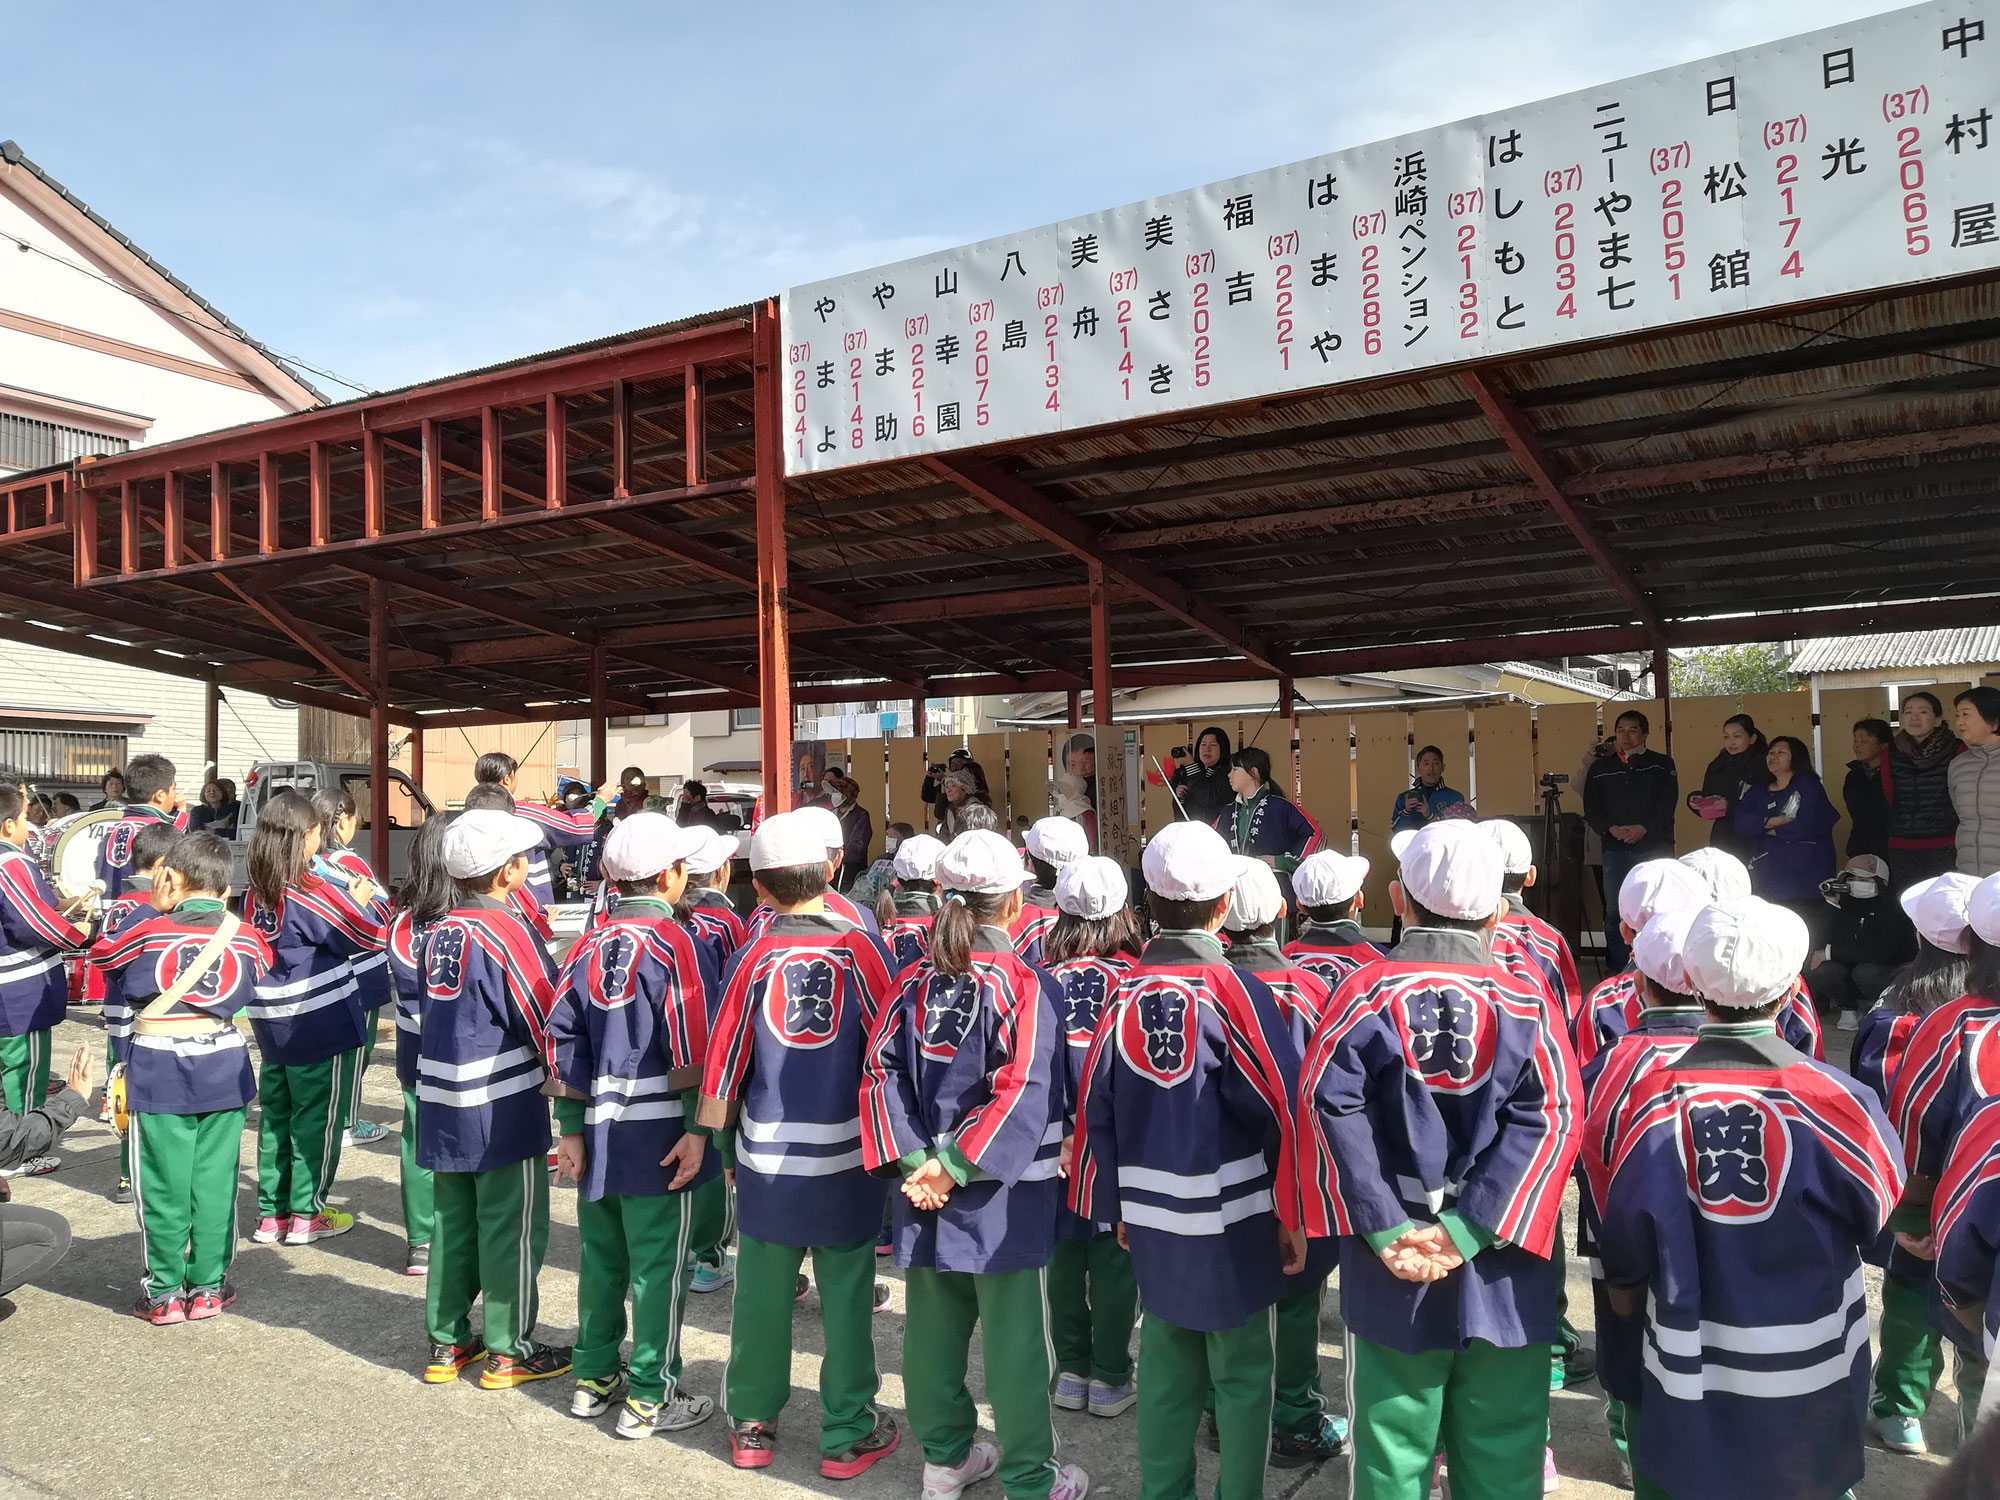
(418, 1261)
(448, 1359)
(1294, 1450)
(123, 1192)
(541, 1362)
(881, 1297)
(870, 1451)
(1579, 1367)
(801, 1287)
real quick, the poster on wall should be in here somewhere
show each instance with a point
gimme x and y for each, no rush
(1845, 160)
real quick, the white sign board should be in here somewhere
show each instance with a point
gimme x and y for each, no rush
(1858, 157)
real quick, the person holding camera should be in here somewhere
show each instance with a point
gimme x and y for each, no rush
(1428, 798)
(1200, 779)
(1630, 797)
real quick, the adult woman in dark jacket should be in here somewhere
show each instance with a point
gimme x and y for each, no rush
(1737, 767)
(1789, 827)
(1916, 782)
(218, 811)
(1867, 804)
(1202, 784)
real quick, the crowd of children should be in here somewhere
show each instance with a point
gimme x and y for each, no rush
(1067, 1125)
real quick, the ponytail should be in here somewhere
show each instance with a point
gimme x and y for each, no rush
(951, 934)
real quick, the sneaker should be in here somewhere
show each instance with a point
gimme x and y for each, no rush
(594, 1398)
(362, 1132)
(541, 1362)
(448, 1359)
(104, 1111)
(1578, 1367)
(321, 1226)
(750, 1444)
(418, 1261)
(1294, 1450)
(1211, 1435)
(123, 1192)
(641, 1419)
(269, 1231)
(881, 1297)
(1440, 1479)
(1071, 1484)
(883, 1247)
(943, 1482)
(34, 1166)
(865, 1454)
(209, 1301)
(1072, 1392)
(709, 1278)
(801, 1287)
(1113, 1400)
(1551, 1480)
(161, 1311)
(1850, 1020)
(1899, 1434)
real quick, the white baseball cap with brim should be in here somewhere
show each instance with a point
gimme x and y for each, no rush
(785, 841)
(1744, 954)
(712, 850)
(1057, 841)
(1517, 855)
(1255, 898)
(826, 823)
(1188, 862)
(1092, 888)
(480, 842)
(641, 846)
(981, 862)
(1452, 869)
(1656, 885)
(1726, 876)
(1658, 951)
(1329, 878)
(917, 857)
(1940, 910)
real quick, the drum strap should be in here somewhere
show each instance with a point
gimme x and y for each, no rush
(154, 1021)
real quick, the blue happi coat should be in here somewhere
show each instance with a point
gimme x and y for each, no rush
(308, 1007)
(35, 937)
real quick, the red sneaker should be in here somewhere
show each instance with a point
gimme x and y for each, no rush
(865, 1454)
(162, 1311)
(750, 1444)
(209, 1301)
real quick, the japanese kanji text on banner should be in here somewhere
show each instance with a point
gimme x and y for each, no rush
(1858, 157)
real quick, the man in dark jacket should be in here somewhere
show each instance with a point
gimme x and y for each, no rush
(1630, 797)
(33, 1239)
(1871, 939)
(1867, 807)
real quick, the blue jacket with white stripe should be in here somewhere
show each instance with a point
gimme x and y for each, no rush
(34, 937)
(308, 1008)
(203, 1071)
(371, 970)
(406, 972)
(1084, 987)
(969, 1069)
(628, 1035)
(114, 854)
(799, 1001)
(1184, 1133)
(560, 830)
(120, 917)
(488, 989)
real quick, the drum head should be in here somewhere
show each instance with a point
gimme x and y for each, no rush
(73, 860)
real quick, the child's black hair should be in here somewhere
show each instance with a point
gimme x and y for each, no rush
(1091, 937)
(428, 891)
(494, 767)
(1183, 916)
(1936, 976)
(489, 796)
(1420, 915)
(200, 859)
(152, 844)
(1045, 873)
(147, 776)
(791, 885)
(1331, 912)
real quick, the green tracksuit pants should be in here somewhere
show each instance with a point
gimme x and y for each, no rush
(1911, 1356)
(24, 1071)
(419, 1194)
(640, 1244)
(491, 1232)
(1177, 1367)
(356, 1065)
(298, 1134)
(1012, 1311)
(184, 1188)
(1093, 1300)
(1299, 1402)
(758, 1377)
(712, 1208)
(1487, 1407)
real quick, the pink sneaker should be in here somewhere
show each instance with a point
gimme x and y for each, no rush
(269, 1231)
(1551, 1480)
(322, 1226)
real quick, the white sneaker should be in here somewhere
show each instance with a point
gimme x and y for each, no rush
(1071, 1484)
(34, 1166)
(1850, 1020)
(1072, 1392)
(942, 1483)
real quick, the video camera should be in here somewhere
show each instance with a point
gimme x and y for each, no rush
(1553, 779)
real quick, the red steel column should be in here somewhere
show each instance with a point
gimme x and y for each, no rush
(774, 650)
(378, 728)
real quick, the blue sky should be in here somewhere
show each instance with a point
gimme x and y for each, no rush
(394, 192)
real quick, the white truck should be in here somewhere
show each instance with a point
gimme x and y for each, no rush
(408, 807)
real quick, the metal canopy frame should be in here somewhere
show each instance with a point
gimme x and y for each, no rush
(606, 529)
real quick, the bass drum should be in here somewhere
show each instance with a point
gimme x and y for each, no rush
(73, 855)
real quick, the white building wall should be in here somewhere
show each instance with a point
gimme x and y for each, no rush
(252, 728)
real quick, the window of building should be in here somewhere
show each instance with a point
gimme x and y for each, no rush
(26, 443)
(746, 718)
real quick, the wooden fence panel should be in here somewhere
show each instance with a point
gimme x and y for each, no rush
(866, 766)
(1028, 774)
(1564, 733)
(1504, 755)
(1697, 738)
(990, 750)
(1326, 776)
(907, 759)
(1382, 770)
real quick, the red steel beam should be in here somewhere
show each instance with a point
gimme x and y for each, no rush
(302, 635)
(1031, 508)
(774, 660)
(378, 728)
(555, 447)
(319, 470)
(1546, 475)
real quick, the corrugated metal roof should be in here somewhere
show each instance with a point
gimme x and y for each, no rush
(1913, 648)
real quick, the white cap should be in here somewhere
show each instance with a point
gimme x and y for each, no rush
(1726, 876)
(1517, 855)
(712, 851)
(646, 843)
(480, 842)
(1656, 885)
(1256, 898)
(1399, 841)
(1328, 878)
(827, 824)
(1188, 862)
(1982, 910)
(1452, 869)
(1092, 887)
(917, 857)
(1057, 841)
(1744, 953)
(979, 860)
(1939, 909)
(1659, 950)
(785, 840)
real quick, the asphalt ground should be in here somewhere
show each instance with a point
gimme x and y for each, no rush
(311, 1382)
